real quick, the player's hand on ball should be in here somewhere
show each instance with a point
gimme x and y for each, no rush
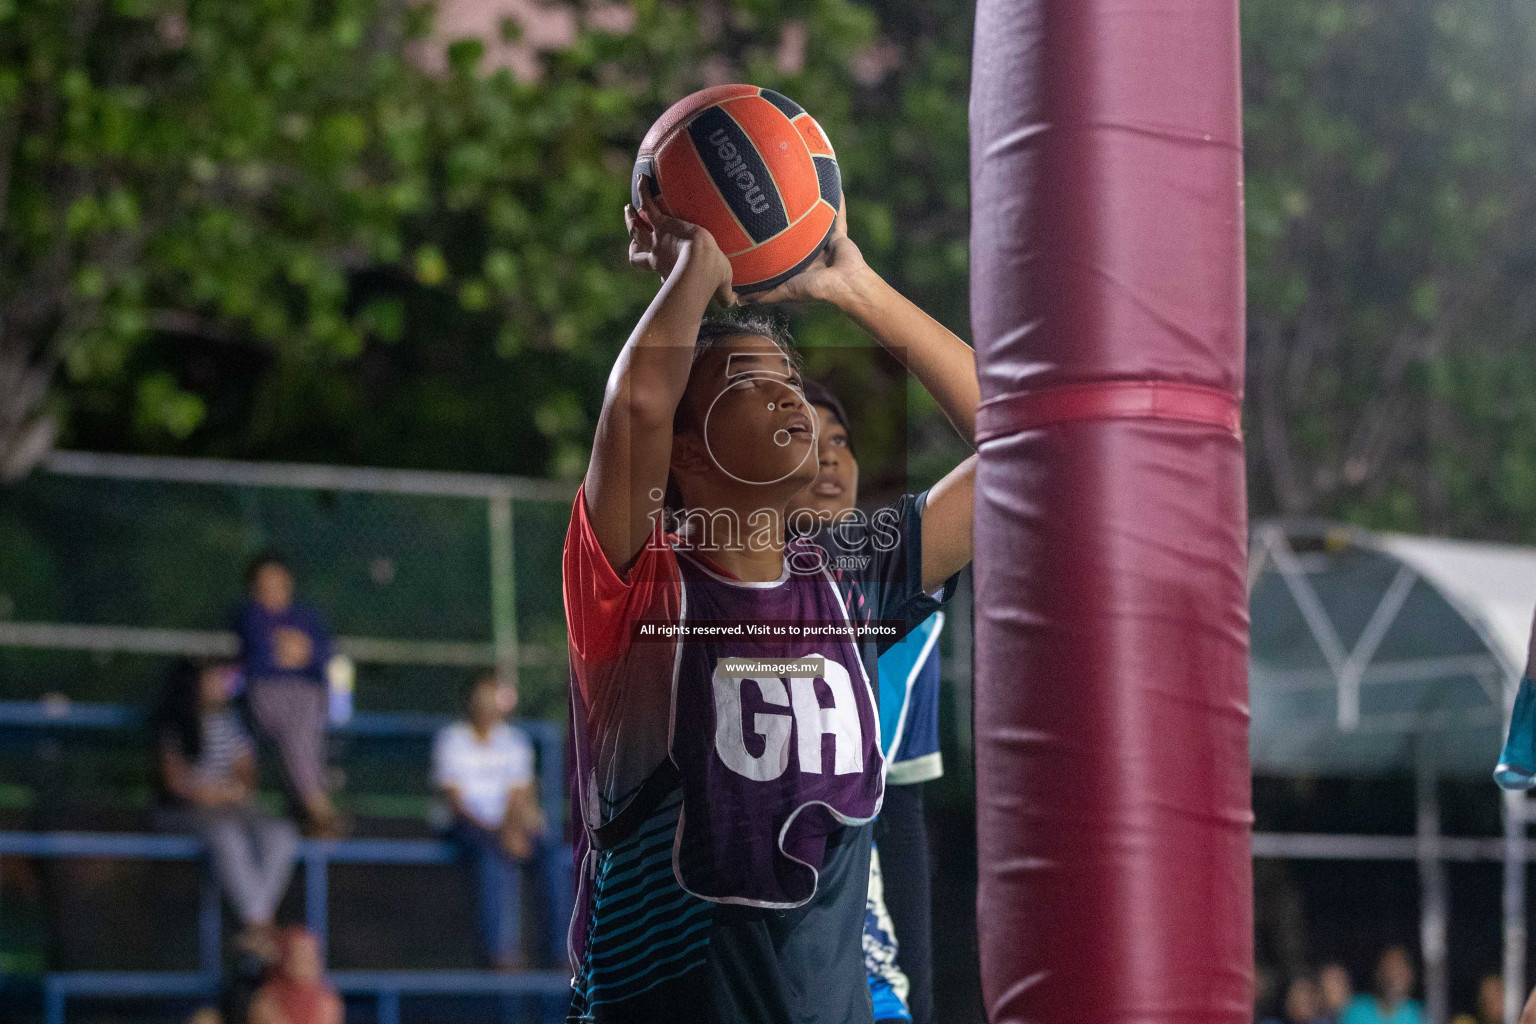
(831, 277)
(659, 242)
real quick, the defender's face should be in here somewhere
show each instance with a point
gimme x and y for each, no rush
(836, 487)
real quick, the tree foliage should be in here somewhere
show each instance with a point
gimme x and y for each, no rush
(263, 230)
(1390, 171)
(210, 170)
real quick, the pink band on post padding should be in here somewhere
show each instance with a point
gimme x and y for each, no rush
(1107, 400)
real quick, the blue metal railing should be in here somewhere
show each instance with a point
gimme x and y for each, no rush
(548, 737)
(386, 987)
(317, 856)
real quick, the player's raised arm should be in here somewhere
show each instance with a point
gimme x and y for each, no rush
(941, 362)
(633, 445)
(933, 354)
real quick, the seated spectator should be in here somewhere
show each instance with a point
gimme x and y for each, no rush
(207, 780)
(1335, 991)
(1391, 1003)
(1302, 1003)
(296, 991)
(1490, 1002)
(284, 650)
(484, 770)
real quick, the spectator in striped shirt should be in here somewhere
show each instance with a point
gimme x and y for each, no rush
(206, 770)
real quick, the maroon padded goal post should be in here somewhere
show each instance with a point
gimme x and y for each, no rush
(1113, 808)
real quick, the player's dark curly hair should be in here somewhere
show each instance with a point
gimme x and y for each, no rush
(733, 323)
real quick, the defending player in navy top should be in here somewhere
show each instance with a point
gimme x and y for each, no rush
(726, 735)
(897, 930)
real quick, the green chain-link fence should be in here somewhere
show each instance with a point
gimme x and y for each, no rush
(111, 564)
(111, 567)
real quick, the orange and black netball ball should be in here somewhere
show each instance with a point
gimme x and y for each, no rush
(754, 169)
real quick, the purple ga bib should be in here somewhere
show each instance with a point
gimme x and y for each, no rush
(773, 759)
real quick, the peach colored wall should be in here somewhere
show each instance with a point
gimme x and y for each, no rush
(550, 26)
(544, 27)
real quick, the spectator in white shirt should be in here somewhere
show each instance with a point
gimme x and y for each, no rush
(484, 769)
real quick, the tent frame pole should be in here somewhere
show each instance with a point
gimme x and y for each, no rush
(1514, 905)
(1434, 900)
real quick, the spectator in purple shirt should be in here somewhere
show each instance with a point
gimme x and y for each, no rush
(284, 650)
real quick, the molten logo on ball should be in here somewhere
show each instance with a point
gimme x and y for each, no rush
(736, 168)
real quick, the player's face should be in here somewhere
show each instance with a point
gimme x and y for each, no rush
(751, 416)
(836, 487)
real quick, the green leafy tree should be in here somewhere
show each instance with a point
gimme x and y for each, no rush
(1389, 181)
(209, 169)
(261, 229)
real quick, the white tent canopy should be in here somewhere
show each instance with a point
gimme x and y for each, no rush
(1492, 585)
(1372, 652)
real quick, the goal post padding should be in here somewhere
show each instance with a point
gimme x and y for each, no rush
(1113, 805)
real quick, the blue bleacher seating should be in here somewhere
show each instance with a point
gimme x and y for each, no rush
(386, 987)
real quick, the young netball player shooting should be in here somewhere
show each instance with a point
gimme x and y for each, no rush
(727, 754)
